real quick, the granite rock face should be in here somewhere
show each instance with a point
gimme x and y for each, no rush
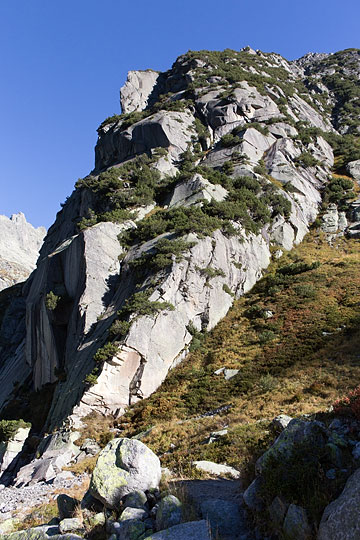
(20, 243)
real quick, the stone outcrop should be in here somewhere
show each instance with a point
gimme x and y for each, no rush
(20, 243)
(171, 130)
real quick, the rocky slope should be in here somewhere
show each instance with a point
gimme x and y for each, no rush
(213, 167)
(20, 243)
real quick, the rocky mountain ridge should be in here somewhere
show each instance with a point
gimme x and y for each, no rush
(213, 168)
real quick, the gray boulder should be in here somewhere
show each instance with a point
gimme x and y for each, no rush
(171, 130)
(277, 511)
(195, 189)
(57, 451)
(66, 505)
(296, 525)
(136, 499)
(225, 517)
(280, 422)
(39, 533)
(69, 525)
(297, 432)
(341, 518)
(216, 469)
(185, 531)
(130, 529)
(123, 466)
(133, 514)
(169, 512)
(330, 220)
(252, 495)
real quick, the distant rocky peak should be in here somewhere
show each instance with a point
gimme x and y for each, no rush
(20, 243)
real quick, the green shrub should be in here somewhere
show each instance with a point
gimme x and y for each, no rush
(106, 352)
(338, 191)
(91, 379)
(306, 160)
(197, 337)
(305, 290)
(229, 140)
(120, 189)
(227, 289)
(140, 304)
(299, 478)
(293, 269)
(261, 168)
(8, 428)
(51, 301)
(119, 329)
(267, 383)
(266, 336)
(255, 312)
(166, 251)
(210, 272)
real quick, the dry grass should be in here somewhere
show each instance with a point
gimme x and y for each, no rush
(86, 465)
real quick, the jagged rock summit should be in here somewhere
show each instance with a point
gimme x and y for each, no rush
(213, 166)
(20, 244)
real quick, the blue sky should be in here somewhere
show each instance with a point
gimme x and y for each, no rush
(62, 64)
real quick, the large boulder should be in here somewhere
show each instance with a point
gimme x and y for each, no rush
(341, 518)
(123, 466)
(298, 432)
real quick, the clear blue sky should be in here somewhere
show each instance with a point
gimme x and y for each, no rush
(62, 64)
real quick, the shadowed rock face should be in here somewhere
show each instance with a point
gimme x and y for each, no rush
(90, 276)
(20, 243)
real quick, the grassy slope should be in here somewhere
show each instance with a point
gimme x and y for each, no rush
(298, 361)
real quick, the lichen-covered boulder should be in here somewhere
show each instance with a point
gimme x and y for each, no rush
(136, 499)
(71, 525)
(297, 432)
(123, 466)
(169, 512)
